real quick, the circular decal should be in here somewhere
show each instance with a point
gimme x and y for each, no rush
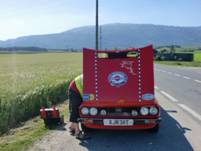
(117, 79)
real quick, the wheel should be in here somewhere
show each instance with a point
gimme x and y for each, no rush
(155, 129)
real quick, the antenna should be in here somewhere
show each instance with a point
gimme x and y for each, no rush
(97, 37)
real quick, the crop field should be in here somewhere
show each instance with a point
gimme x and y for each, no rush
(28, 81)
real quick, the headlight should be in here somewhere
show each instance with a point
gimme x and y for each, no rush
(144, 111)
(85, 111)
(103, 112)
(153, 110)
(93, 111)
(134, 113)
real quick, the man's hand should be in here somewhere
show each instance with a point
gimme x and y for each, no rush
(74, 127)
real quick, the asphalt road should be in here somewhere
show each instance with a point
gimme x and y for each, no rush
(180, 128)
(181, 85)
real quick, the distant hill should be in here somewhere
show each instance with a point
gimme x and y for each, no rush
(113, 36)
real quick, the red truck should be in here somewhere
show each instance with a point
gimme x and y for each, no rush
(118, 90)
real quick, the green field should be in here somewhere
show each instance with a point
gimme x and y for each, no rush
(197, 56)
(28, 81)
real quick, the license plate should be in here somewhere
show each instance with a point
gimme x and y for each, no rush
(118, 122)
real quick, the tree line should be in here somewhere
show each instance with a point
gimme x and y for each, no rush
(11, 49)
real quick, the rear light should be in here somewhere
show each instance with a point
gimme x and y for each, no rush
(54, 112)
(85, 111)
(42, 113)
(144, 111)
(153, 110)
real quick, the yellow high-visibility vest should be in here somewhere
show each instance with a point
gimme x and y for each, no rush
(79, 84)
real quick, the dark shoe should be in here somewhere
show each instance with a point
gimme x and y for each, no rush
(82, 136)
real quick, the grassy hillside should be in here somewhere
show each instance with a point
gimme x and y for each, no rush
(28, 81)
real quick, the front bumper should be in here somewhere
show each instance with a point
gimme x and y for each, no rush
(97, 123)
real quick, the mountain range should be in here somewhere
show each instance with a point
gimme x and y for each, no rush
(116, 35)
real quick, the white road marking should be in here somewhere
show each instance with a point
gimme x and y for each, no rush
(157, 88)
(192, 112)
(177, 75)
(185, 77)
(169, 96)
(198, 81)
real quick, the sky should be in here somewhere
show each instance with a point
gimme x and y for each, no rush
(34, 17)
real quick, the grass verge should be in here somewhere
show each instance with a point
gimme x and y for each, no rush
(21, 138)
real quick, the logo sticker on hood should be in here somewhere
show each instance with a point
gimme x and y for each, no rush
(117, 79)
(148, 97)
(88, 97)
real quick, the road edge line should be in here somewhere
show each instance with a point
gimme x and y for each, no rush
(169, 96)
(189, 110)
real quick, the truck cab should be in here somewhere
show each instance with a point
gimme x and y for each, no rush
(118, 90)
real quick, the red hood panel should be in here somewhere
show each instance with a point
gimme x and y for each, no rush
(118, 77)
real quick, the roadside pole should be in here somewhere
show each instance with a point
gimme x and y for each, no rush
(100, 37)
(97, 26)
